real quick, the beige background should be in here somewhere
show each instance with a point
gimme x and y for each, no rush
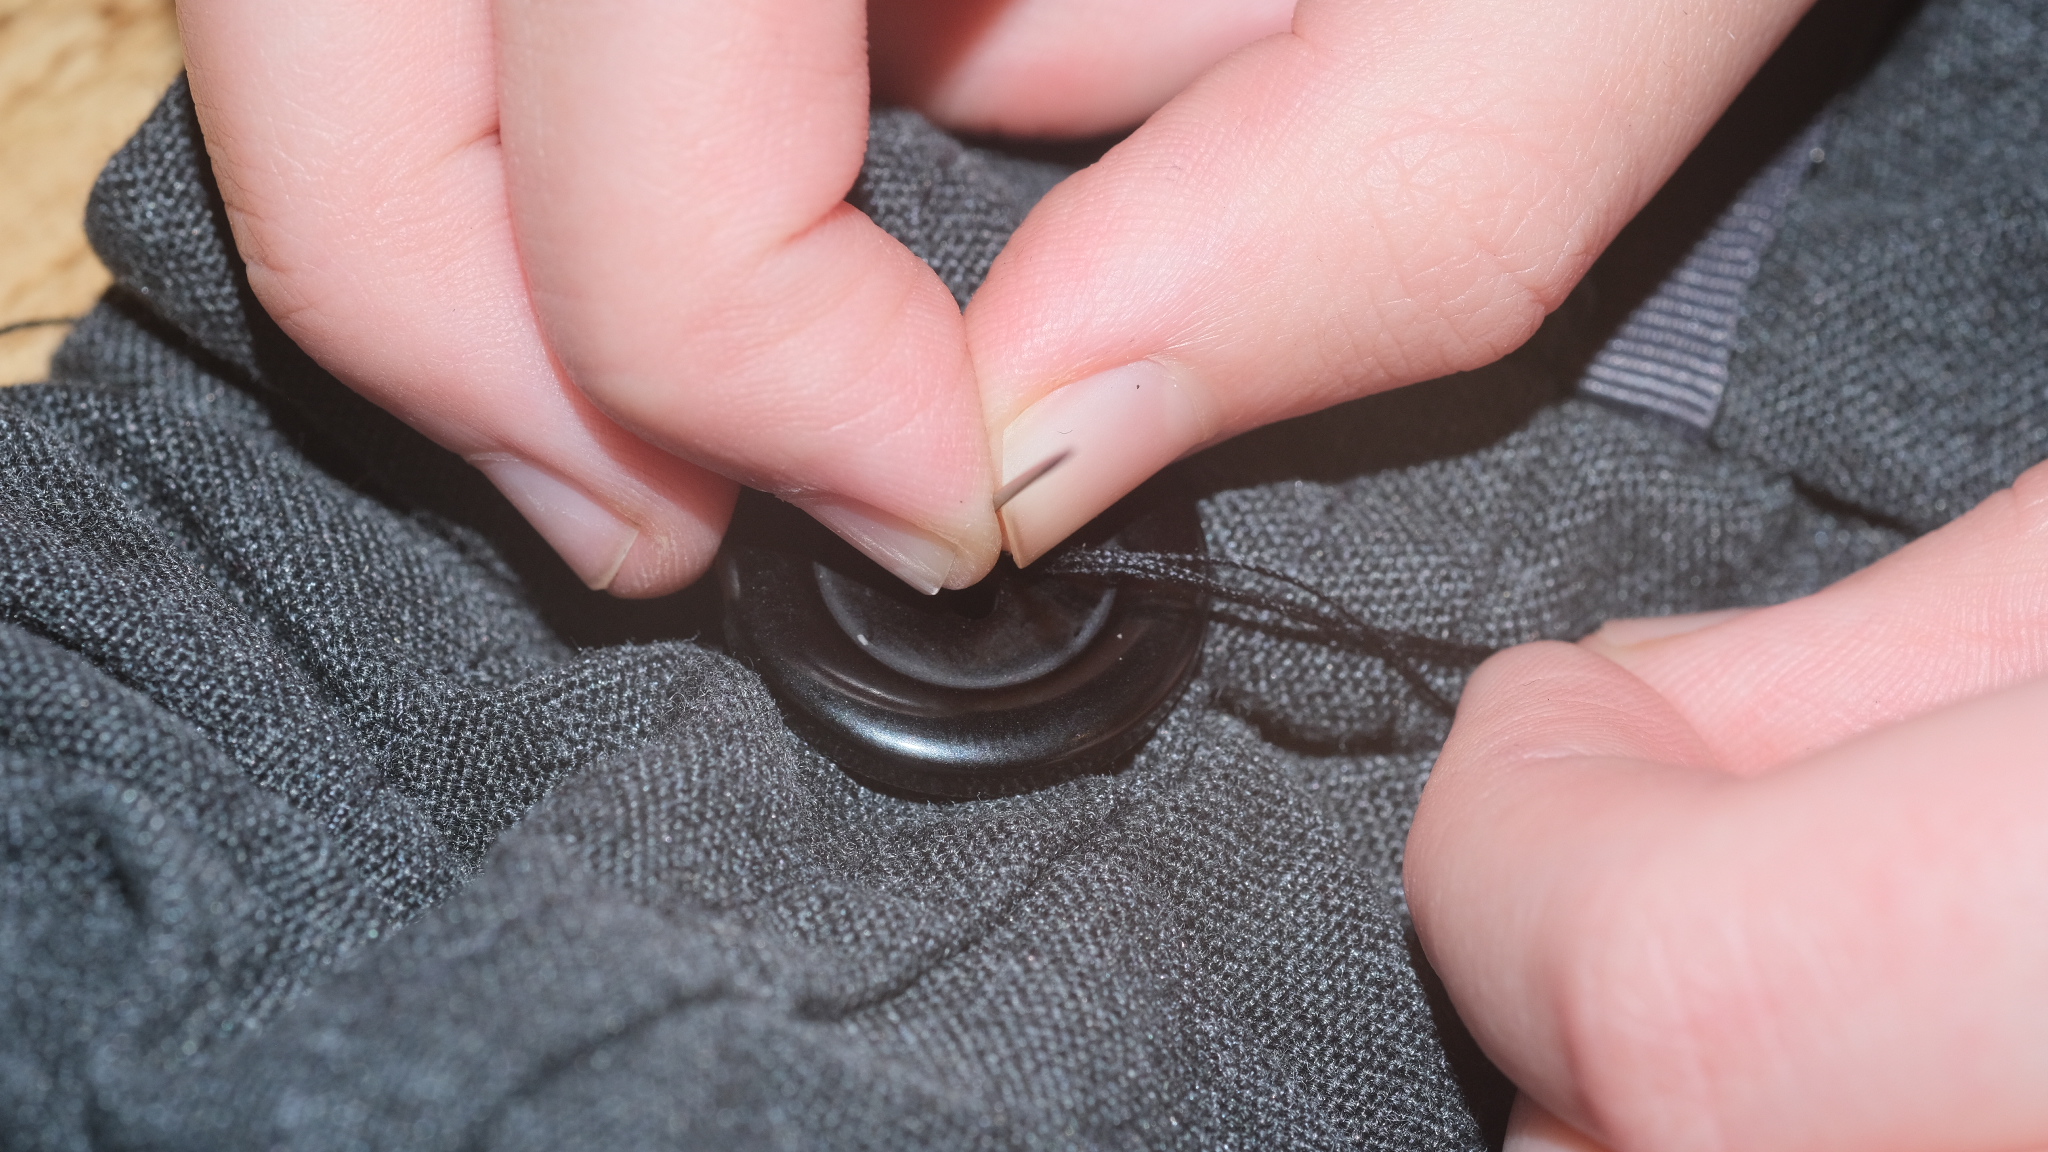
(76, 77)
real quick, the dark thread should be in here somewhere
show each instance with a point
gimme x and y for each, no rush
(1322, 617)
(39, 322)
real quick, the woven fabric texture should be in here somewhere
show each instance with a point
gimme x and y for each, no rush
(1671, 355)
(337, 815)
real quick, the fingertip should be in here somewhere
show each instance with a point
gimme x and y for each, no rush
(1092, 442)
(1505, 717)
(1532, 1128)
(920, 558)
(1530, 722)
(974, 562)
(1544, 823)
(672, 557)
(1550, 700)
(632, 536)
(1624, 640)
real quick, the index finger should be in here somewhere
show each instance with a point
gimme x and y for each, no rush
(677, 175)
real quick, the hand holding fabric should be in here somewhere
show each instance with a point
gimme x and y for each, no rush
(1765, 880)
(601, 249)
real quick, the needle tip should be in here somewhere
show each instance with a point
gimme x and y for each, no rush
(1028, 477)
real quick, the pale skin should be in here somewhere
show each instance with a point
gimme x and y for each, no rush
(1777, 882)
(600, 248)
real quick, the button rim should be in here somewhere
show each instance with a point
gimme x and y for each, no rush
(870, 719)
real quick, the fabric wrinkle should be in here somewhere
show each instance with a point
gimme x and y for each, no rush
(338, 814)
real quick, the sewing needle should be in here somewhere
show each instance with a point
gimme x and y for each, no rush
(1030, 476)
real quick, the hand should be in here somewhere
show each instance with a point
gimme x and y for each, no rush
(601, 250)
(1388, 192)
(1774, 879)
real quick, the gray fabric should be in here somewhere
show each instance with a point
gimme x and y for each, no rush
(953, 205)
(1670, 356)
(1873, 365)
(338, 816)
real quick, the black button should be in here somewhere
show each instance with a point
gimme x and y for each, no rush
(1018, 682)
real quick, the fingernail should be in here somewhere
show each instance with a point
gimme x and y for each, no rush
(1117, 429)
(1632, 632)
(918, 558)
(1531, 1129)
(586, 534)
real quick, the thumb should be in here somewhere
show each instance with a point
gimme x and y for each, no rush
(676, 177)
(1385, 194)
(1531, 1128)
(1841, 953)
